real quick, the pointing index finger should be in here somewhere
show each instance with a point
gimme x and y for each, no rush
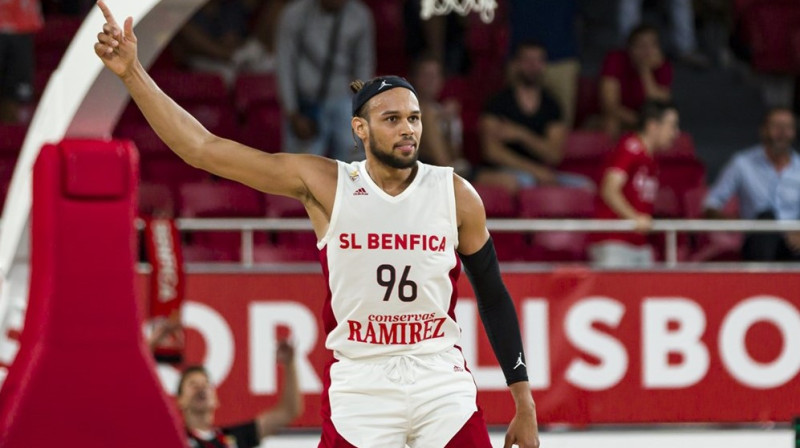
(107, 13)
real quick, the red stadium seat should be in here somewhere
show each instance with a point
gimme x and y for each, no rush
(499, 203)
(681, 175)
(556, 202)
(263, 129)
(588, 100)
(147, 141)
(169, 169)
(219, 200)
(714, 246)
(219, 118)
(587, 146)
(4, 185)
(156, 200)
(255, 90)
(57, 32)
(192, 87)
(767, 27)
(13, 135)
(682, 149)
(276, 253)
(292, 241)
(390, 35)
(82, 336)
(7, 165)
(552, 203)
(667, 204)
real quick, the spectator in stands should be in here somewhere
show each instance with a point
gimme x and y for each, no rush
(440, 144)
(197, 400)
(682, 29)
(322, 45)
(631, 77)
(523, 131)
(19, 20)
(553, 23)
(766, 181)
(210, 39)
(629, 188)
(218, 38)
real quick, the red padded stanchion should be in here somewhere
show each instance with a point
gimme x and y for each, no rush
(84, 376)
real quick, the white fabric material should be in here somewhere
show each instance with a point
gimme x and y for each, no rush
(420, 401)
(389, 260)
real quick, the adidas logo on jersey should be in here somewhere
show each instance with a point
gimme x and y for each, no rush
(360, 192)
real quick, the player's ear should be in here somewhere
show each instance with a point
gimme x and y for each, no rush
(359, 127)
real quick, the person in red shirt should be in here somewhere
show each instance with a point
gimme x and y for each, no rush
(629, 187)
(19, 20)
(632, 76)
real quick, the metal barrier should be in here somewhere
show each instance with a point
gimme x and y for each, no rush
(670, 227)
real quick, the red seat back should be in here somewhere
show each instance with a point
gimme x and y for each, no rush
(556, 202)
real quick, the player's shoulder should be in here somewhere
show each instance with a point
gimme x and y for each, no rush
(467, 198)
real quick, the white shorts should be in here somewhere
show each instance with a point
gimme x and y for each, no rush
(414, 400)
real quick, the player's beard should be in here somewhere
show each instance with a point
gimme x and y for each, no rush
(389, 159)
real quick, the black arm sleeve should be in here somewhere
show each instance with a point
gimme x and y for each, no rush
(497, 311)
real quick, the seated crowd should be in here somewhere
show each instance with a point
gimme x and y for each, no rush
(502, 104)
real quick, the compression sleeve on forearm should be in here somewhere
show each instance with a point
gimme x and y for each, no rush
(497, 311)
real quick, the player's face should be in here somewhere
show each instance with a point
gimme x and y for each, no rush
(779, 131)
(667, 130)
(394, 128)
(197, 394)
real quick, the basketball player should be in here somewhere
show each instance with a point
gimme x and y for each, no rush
(388, 231)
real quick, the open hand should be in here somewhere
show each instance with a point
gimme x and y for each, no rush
(116, 46)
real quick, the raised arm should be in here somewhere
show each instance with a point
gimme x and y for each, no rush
(290, 404)
(284, 174)
(497, 311)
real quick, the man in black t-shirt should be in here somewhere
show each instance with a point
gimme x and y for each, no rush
(522, 129)
(197, 400)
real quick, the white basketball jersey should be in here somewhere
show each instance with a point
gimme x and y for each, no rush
(391, 265)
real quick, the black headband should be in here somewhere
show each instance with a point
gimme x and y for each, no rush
(378, 85)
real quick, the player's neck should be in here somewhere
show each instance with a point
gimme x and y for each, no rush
(391, 180)
(203, 421)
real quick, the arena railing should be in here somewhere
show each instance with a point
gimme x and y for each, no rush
(669, 227)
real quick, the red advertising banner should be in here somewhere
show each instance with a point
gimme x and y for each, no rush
(602, 347)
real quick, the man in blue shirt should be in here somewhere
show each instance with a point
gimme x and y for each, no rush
(766, 180)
